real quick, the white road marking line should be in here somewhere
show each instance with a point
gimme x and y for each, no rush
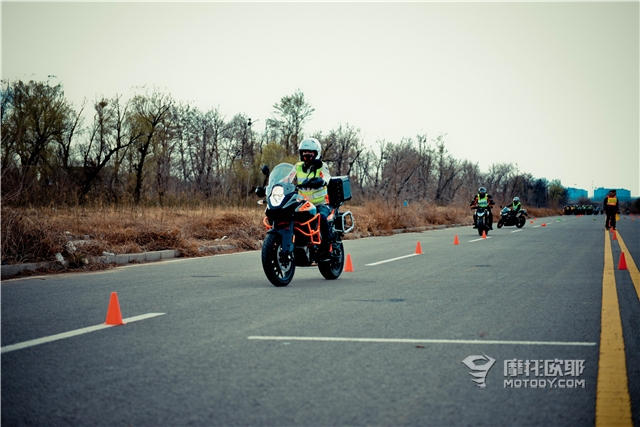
(516, 231)
(477, 240)
(69, 334)
(392, 259)
(420, 341)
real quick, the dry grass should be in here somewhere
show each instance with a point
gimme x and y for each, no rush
(34, 235)
(381, 218)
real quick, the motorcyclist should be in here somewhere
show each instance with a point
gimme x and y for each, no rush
(611, 208)
(484, 200)
(516, 206)
(312, 177)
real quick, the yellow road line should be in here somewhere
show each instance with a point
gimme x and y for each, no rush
(631, 265)
(613, 404)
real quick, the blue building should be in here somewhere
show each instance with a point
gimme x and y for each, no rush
(623, 194)
(575, 194)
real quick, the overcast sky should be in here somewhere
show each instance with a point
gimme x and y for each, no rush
(551, 87)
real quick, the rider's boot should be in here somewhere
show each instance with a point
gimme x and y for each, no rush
(323, 253)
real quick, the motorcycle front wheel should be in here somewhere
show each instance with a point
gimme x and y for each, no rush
(500, 223)
(332, 269)
(480, 226)
(278, 268)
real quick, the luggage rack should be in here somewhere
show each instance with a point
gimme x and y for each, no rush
(344, 222)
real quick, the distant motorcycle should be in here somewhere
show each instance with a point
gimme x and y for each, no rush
(293, 227)
(508, 217)
(482, 219)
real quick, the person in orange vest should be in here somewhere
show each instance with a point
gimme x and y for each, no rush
(611, 208)
(312, 177)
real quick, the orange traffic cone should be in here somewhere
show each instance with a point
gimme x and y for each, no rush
(622, 264)
(614, 236)
(455, 240)
(418, 249)
(544, 224)
(484, 234)
(348, 267)
(114, 317)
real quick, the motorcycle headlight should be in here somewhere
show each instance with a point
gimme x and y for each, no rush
(277, 195)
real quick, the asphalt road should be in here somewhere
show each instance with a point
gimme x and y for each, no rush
(382, 345)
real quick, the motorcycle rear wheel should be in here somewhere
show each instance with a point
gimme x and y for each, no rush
(332, 269)
(278, 270)
(521, 222)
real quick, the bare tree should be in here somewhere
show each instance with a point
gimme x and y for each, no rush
(470, 180)
(185, 134)
(32, 119)
(341, 148)
(447, 171)
(163, 154)
(290, 114)
(110, 134)
(497, 180)
(426, 169)
(35, 116)
(557, 193)
(149, 114)
(401, 164)
(211, 168)
(540, 194)
(72, 127)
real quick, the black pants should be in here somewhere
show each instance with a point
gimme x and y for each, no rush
(610, 221)
(324, 212)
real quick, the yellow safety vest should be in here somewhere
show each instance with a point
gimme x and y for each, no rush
(317, 196)
(484, 202)
(611, 201)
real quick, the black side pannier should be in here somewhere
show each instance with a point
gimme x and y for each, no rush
(339, 189)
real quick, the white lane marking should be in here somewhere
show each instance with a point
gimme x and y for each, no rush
(477, 240)
(419, 341)
(516, 231)
(73, 333)
(392, 259)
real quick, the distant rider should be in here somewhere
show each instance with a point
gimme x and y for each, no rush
(611, 208)
(516, 205)
(483, 200)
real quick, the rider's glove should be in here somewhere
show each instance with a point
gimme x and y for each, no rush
(316, 164)
(313, 183)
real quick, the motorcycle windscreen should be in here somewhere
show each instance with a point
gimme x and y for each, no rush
(283, 173)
